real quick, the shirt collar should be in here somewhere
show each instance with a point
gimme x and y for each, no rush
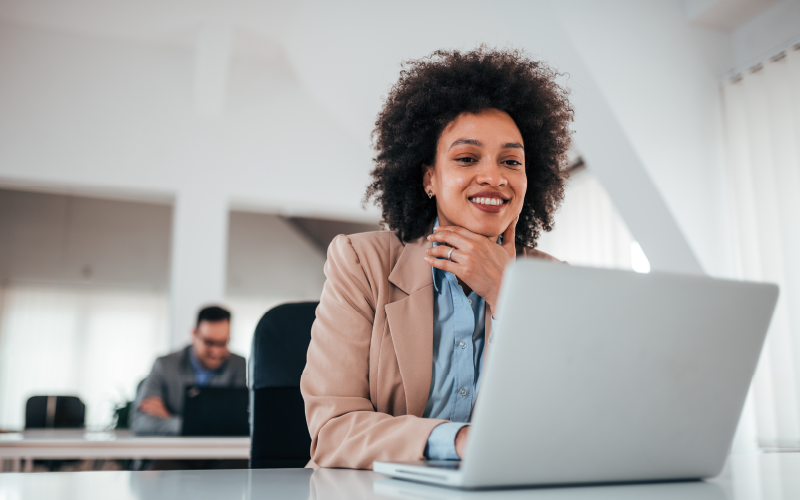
(196, 363)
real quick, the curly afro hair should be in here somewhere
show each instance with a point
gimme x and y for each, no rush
(430, 94)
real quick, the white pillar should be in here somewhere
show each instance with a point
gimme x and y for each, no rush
(199, 252)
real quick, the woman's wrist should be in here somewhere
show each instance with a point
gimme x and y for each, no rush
(491, 303)
(461, 441)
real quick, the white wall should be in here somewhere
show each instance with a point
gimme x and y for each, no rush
(267, 257)
(51, 239)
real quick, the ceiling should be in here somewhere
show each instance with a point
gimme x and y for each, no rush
(725, 15)
(158, 22)
(175, 22)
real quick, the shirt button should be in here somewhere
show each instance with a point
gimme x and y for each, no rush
(470, 301)
(462, 344)
(462, 391)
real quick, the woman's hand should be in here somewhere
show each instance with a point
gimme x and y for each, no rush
(475, 259)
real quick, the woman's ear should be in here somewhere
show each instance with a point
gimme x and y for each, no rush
(427, 181)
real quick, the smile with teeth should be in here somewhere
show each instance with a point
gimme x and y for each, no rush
(488, 201)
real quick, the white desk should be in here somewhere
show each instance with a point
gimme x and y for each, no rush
(746, 477)
(78, 444)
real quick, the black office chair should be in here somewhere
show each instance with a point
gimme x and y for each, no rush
(278, 427)
(55, 412)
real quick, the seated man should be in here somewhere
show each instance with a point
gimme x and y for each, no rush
(206, 362)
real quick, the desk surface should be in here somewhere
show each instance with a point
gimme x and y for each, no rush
(746, 477)
(63, 443)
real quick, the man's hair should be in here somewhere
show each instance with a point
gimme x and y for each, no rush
(431, 93)
(213, 313)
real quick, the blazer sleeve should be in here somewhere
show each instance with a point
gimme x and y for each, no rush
(143, 424)
(345, 429)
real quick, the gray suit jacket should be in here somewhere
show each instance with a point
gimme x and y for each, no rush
(168, 379)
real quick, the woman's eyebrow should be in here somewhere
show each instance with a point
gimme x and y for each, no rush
(476, 142)
(473, 142)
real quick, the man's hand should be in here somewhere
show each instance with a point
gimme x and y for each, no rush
(461, 441)
(475, 260)
(154, 405)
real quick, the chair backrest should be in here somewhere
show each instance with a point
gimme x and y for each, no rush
(50, 412)
(278, 426)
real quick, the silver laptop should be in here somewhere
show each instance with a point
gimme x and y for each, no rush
(600, 376)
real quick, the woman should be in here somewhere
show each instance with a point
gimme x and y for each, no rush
(469, 169)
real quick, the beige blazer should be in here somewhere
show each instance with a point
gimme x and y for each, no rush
(368, 371)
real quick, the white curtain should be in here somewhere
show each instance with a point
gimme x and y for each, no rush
(96, 344)
(762, 125)
(589, 231)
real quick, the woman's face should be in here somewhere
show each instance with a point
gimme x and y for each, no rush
(479, 177)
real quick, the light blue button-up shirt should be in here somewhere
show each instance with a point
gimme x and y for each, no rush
(458, 341)
(202, 376)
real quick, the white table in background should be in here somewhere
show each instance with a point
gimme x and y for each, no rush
(80, 444)
(769, 476)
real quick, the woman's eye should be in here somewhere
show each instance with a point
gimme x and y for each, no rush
(513, 163)
(466, 160)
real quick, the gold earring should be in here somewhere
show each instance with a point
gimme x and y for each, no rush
(430, 194)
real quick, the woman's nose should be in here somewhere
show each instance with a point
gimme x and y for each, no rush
(490, 174)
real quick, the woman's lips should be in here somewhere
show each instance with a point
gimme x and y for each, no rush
(488, 204)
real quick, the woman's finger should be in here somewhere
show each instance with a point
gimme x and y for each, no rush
(444, 265)
(451, 238)
(442, 251)
(466, 233)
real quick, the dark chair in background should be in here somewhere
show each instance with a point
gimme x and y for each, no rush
(55, 412)
(278, 427)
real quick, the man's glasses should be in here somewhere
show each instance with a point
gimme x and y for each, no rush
(213, 343)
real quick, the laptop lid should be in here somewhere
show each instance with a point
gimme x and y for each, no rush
(215, 411)
(599, 375)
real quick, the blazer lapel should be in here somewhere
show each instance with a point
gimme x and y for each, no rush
(411, 324)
